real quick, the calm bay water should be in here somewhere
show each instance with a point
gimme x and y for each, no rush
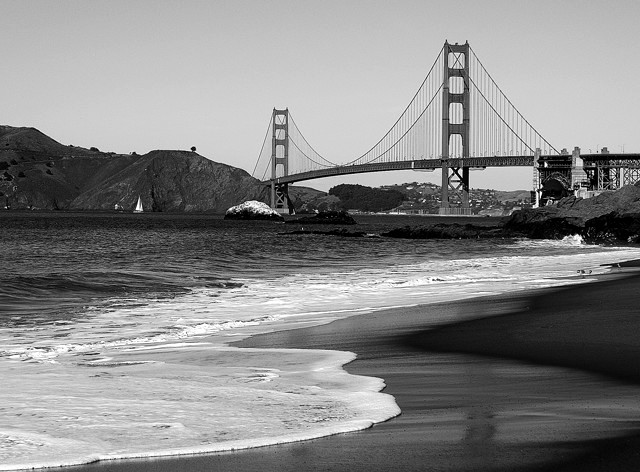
(114, 328)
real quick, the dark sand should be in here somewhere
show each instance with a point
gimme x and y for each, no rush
(457, 409)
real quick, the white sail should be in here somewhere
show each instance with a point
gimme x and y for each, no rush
(138, 206)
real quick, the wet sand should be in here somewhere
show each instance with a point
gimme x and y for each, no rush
(476, 411)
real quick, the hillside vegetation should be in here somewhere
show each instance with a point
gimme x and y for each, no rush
(359, 197)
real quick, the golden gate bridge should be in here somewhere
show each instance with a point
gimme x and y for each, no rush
(458, 120)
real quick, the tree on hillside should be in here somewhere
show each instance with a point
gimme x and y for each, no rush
(359, 197)
(193, 149)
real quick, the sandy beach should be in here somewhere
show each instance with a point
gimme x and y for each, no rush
(572, 405)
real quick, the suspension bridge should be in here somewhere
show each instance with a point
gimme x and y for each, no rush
(458, 120)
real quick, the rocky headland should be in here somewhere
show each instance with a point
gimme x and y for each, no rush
(37, 172)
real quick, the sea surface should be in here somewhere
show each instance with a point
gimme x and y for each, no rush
(115, 328)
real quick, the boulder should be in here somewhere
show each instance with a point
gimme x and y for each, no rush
(252, 210)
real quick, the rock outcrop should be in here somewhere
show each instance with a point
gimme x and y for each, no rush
(252, 210)
(342, 232)
(447, 231)
(329, 217)
(610, 218)
(613, 228)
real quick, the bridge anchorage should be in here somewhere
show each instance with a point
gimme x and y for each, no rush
(458, 120)
(583, 175)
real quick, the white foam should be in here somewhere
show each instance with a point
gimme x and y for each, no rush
(151, 403)
(49, 353)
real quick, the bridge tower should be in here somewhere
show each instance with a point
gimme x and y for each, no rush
(455, 129)
(280, 157)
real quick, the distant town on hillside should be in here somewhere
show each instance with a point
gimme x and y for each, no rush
(408, 198)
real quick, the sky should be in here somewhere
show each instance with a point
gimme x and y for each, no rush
(139, 75)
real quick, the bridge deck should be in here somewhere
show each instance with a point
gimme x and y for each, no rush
(629, 160)
(419, 164)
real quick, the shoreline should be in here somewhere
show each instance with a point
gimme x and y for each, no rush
(578, 333)
(394, 350)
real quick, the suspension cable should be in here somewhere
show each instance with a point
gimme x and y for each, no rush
(509, 101)
(261, 150)
(407, 131)
(332, 164)
(402, 114)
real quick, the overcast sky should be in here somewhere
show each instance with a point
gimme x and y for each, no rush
(138, 75)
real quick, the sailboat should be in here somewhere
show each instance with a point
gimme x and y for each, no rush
(138, 208)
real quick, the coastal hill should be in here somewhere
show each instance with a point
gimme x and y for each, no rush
(37, 172)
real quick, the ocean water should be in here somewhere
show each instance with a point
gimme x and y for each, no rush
(115, 328)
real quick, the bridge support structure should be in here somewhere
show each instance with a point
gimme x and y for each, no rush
(608, 171)
(537, 187)
(280, 161)
(455, 129)
(554, 176)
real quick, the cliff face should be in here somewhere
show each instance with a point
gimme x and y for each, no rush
(38, 172)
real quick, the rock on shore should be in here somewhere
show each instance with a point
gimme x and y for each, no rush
(329, 217)
(609, 217)
(252, 210)
(446, 231)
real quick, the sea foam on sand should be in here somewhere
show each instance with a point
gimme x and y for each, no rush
(180, 398)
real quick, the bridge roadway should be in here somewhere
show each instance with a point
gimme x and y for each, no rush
(630, 160)
(419, 164)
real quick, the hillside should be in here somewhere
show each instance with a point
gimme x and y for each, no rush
(308, 200)
(425, 197)
(367, 199)
(414, 197)
(38, 172)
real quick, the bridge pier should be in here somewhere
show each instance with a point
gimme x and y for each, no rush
(455, 189)
(456, 125)
(280, 160)
(280, 200)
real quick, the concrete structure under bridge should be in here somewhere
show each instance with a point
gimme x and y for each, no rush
(457, 121)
